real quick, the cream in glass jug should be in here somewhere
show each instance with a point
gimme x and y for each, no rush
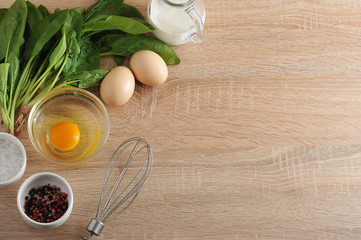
(177, 21)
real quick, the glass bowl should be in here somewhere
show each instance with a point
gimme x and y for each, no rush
(75, 106)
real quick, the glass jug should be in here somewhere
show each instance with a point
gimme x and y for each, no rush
(177, 21)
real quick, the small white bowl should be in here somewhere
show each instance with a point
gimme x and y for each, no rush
(11, 139)
(39, 180)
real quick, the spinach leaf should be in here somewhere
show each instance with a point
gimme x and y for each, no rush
(13, 73)
(88, 59)
(103, 7)
(74, 22)
(86, 79)
(34, 16)
(2, 13)
(126, 45)
(95, 77)
(145, 23)
(119, 60)
(73, 43)
(125, 24)
(44, 11)
(73, 25)
(12, 28)
(129, 11)
(80, 11)
(43, 32)
(99, 17)
(4, 70)
(59, 50)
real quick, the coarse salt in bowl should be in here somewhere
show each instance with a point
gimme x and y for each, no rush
(12, 160)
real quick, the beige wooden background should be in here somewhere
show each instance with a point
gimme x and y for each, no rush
(256, 134)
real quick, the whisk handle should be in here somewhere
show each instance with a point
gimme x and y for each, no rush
(88, 238)
(95, 227)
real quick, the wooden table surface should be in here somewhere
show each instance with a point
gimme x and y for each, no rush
(256, 134)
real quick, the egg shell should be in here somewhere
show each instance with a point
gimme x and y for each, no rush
(117, 86)
(149, 68)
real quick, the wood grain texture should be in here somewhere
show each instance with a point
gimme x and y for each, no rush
(256, 134)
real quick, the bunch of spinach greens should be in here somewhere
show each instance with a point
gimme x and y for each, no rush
(40, 51)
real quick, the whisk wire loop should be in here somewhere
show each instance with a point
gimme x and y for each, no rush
(117, 155)
(120, 196)
(117, 182)
(108, 172)
(132, 188)
(116, 186)
(134, 191)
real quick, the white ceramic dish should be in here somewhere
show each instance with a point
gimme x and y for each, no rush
(39, 180)
(19, 174)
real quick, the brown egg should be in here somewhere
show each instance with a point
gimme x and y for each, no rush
(118, 86)
(149, 68)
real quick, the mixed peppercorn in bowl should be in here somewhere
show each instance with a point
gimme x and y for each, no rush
(45, 200)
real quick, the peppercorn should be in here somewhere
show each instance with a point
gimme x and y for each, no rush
(46, 204)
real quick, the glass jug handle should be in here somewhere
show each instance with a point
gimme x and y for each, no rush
(198, 35)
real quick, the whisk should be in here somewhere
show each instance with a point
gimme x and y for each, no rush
(127, 171)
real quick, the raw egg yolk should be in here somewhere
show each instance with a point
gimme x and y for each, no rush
(65, 136)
